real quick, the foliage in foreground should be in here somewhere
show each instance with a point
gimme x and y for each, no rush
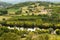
(14, 34)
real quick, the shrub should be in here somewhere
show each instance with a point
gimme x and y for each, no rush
(58, 31)
(10, 36)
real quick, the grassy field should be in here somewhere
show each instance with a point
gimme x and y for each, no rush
(4, 17)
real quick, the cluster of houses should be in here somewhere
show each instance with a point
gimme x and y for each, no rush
(35, 9)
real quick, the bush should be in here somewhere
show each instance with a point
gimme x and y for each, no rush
(42, 31)
(10, 36)
(58, 31)
(43, 37)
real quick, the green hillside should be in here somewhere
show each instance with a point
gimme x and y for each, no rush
(32, 14)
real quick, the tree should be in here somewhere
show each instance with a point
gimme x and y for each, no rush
(10, 36)
(3, 11)
(43, 37)
(30, 35)
(18, 12)
(3, 19)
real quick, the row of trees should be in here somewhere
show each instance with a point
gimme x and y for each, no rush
(3, 11)
(31, 24)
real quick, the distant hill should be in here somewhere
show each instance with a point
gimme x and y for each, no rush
(22, 4)
(4, 5)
